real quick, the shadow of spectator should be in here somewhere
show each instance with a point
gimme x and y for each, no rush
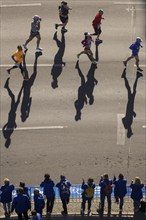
(85, 89)
(58, 60)
(27, 100)
(9, 127)
(128, 119)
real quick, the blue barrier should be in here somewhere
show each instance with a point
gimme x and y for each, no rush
(76, 191)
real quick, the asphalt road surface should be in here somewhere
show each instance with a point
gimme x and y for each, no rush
(40, 130)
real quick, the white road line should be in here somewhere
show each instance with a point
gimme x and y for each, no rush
(21, 5)
(141, 65)
(30, 65)
(144, 126)
(129, 3)
(120, 130)
(38, 128)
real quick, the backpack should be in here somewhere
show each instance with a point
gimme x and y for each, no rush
(89, 192)
(108, 189)
(64, 190)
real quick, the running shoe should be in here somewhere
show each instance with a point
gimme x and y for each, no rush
(25, 47)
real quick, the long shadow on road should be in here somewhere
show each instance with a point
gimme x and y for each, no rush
(85, 90)
(130, 113)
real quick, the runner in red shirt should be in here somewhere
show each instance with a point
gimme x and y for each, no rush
(96, 23)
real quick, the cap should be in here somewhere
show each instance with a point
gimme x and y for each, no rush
(101, 10)
(35, 17)
(139, 39)
(87, 34)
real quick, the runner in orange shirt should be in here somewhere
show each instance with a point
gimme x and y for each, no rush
(18, 58)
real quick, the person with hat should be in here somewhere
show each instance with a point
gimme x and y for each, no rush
(6, 196)
(135, 47)
(35, 32)
(96, 23)
(87, 47)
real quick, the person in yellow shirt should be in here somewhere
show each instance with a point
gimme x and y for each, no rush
(18, 58)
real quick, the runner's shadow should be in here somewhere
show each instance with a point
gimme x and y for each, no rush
(91, 83)
(27, 99)
(85, 90)
(58, 60)
(9, 127)
(128, 119)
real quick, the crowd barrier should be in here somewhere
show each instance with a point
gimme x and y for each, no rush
(76, 192)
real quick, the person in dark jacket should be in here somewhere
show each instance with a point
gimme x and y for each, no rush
(136, 193)
(64, 191)
(21, 204)
(120, 190)
(25, 189)
(48, 190)
(63, 15)
(39, 202)
(6, 196)
(135, 47)
(105, 191)
(87, 195)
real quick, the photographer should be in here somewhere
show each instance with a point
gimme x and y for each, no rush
(35, 28)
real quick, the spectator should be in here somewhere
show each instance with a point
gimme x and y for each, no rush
(120, 190)
(87, 47)
(96, 23)
(25, 189)
(6, 196)
(39, 202)
(35, 32)
(135, 47)
(87, 195)
(63, 15)
(21, 204)
(35, 215)
(105, 191)
(64, 191)
(48, 189)
(136, 193)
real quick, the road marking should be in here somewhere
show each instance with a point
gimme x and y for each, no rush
(144, 126)
(120, 130)
(142, 65)
(129, 3)
(36, 128)
(30, 65)
(21, 5)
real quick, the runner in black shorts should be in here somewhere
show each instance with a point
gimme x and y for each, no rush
(63, 15)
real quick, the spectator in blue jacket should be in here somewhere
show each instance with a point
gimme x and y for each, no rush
(105, 191)
(21, 204)
(120, 190)
(136, 193)
(135, 47)
(87, 195)
(25, 189)
(39, 202)
(6, 196)
(64, 191)
(48, 189)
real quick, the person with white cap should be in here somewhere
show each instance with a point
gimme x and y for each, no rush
(96, 23)
(135, 47)
(35, 32)
(87, 47)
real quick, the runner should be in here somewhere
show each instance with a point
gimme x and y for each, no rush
(63, 15)
(87, 47)
(18, 58)
(135, 47)
(96, 23)
(35, 28)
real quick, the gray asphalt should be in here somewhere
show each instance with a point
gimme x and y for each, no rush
(93, 145)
